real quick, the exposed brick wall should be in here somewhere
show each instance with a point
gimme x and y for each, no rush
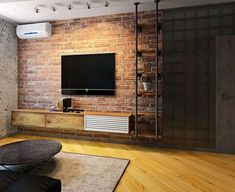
(40, 65)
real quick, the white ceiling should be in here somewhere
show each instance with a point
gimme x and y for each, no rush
(23, 11)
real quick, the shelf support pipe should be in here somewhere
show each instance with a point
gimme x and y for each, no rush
(136, 67)
(157, 68)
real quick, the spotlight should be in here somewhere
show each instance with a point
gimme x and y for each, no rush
(53, 8)
(106, 3)
(36, 10)
(69, 7)
(88, 6)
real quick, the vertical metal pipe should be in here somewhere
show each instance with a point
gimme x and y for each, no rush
(157, 68)
(136, 68)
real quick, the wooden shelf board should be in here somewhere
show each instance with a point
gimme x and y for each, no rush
(107, 113)
(147, 114)
(147, 26)
(148, 51)
(147, 134)
(74, 113)
(146, 93)
(147, 73)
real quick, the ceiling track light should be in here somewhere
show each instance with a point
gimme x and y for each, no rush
(69, 7)
(36, 10)
(53, 8)
(106, 3)
(88, 6)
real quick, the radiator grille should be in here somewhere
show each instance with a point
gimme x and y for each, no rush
(106, 124)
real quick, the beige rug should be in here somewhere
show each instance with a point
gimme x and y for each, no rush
(84, 173)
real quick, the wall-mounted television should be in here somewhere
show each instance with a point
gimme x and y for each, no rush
(91, 74)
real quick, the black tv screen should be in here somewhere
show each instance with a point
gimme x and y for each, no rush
(92, 74)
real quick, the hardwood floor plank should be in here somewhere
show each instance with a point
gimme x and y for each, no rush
(159, 169)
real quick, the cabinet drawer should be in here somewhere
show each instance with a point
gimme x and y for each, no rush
(28, 119)
(64, 121)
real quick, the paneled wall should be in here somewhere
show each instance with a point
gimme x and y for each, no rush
(8, 75)
(189, 72)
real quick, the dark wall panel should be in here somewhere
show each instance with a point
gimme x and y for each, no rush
(189, 36)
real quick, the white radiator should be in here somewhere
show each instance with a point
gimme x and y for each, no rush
(111, 124)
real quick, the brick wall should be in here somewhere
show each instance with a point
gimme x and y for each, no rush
(40, 65)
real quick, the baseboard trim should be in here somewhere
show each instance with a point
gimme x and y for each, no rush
(9, 135)
(117, 141)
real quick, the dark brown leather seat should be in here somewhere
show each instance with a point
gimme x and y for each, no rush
(11, 182)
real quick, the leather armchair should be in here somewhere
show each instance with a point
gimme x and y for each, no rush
(11, 182)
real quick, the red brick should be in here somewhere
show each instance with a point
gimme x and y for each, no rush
(39, 61)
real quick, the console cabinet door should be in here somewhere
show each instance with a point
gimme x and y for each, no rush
(64, 121)
(225, 94)
(26, 119)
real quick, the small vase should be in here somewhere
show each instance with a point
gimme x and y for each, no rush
(147, 86)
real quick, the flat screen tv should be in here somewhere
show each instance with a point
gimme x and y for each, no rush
(92, 74)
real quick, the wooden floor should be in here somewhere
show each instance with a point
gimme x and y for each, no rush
(160, 170)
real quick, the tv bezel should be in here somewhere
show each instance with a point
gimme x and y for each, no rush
(94, 92)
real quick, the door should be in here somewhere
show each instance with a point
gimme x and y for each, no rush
(225, 94)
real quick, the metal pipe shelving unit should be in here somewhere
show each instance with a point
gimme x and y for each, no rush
(138, 30)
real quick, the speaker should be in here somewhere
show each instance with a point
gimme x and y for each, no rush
(67, 102)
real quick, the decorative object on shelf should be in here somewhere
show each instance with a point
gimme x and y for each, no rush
(147, 82)
(52, 108)
(67, 104)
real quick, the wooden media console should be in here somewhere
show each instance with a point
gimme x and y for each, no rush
(85, 121)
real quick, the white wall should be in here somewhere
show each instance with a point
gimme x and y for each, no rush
(8, 75)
